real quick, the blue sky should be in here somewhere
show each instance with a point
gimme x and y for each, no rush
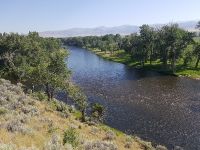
(43, 15)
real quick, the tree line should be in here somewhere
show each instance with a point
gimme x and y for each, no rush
(166, 44)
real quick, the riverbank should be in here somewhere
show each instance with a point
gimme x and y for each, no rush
(125, 58)
(29, 121)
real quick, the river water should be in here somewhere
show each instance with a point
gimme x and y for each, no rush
(159, 108)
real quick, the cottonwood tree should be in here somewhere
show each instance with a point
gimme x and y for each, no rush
(79, 98)
(173, 42)
(197, 53)
(147, 35)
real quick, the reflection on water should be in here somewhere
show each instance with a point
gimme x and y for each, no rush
(162, 109)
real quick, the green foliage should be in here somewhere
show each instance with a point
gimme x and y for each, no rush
(41, 96)
(187, 58)
(34, 61)
(97, 112)
(39, 64)
(79, 98)
(58, 106)
(77, 114)
(3, 110)
(197, 53)
(71, 137)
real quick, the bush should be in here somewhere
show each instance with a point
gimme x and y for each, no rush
(60, 107)
(110, 135)
(14, 125)
(145, 145)
(41, 96)
(100, 145)
(31, 110)
(54, 144)
(17, 126)
(3, 110)
(23, 118)
(70, 137)
(129, 142)
(94, 130)
(97, 112)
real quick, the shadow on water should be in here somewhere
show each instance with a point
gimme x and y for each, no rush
(162, 109)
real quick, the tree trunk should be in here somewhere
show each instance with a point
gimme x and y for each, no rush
(150, 59)
(48, 92)
(151, 53)
(165, 64)
(165, 59)
(142, 62)
(197, 63)
(173, 63)
(33, 88)
(83, 115)
(51, 93)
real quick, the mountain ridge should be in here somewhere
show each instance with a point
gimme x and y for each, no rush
(102, 30)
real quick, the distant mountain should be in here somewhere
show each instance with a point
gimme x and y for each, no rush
(123, 30)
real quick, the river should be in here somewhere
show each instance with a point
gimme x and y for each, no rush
(156, 107)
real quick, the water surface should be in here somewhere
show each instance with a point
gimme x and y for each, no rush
(159, 108)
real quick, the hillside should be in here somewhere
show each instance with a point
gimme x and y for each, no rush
(123, 30)
(33, 123)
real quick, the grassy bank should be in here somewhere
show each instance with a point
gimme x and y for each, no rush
(125, 58)
(30, 122)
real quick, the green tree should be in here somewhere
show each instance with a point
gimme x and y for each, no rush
(79, 98)
(173, 42)
(34, 61)
(98, 112)
(147, 34)
(197, 53)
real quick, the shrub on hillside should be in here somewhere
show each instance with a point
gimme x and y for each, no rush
(55, 143)
(17, 126)
(128, 142)
(60, 107)
(97, 112)
(110, 135)
(99, 145)
(3, 110)
(41, 96)
(144, 144)
(30, 110)
(71, 137)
